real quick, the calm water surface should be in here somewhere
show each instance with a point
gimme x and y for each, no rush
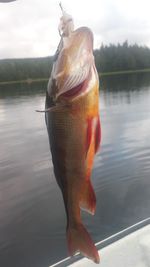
(32, 217)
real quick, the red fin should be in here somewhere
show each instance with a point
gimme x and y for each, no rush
(79, 240)
(89, 134)
(97, 135)
(88, 200)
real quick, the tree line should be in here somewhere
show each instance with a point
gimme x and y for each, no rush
(25, 68)
(108, 58)
(119, 57)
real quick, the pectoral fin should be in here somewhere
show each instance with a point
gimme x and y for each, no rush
(88, 199)
(97, 135)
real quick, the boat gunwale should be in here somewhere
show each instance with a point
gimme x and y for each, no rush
(104, 243)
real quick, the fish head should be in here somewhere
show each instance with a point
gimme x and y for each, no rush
(74, 66)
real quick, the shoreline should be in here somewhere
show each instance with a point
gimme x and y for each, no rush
(30, 80)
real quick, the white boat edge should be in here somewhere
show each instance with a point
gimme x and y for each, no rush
(127, 248)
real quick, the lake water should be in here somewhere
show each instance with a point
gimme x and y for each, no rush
(32, 216)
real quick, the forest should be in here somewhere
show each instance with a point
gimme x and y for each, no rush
(108, 58)
(122, 57)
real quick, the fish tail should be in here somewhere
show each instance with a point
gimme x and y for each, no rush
(79, 240)
(88, 199)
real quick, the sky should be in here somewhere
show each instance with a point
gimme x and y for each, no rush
(29, 28)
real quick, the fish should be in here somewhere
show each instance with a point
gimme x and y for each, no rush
(73, 125)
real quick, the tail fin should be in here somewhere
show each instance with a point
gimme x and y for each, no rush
(88, 200)
(79, 240)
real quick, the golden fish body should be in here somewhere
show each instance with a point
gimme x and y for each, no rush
(74, 132)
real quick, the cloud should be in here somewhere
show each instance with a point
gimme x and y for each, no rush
(28, 28)
(6, 1)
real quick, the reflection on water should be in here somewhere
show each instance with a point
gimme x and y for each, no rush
(32, 216)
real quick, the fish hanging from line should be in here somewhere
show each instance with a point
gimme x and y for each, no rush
(73, 124)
